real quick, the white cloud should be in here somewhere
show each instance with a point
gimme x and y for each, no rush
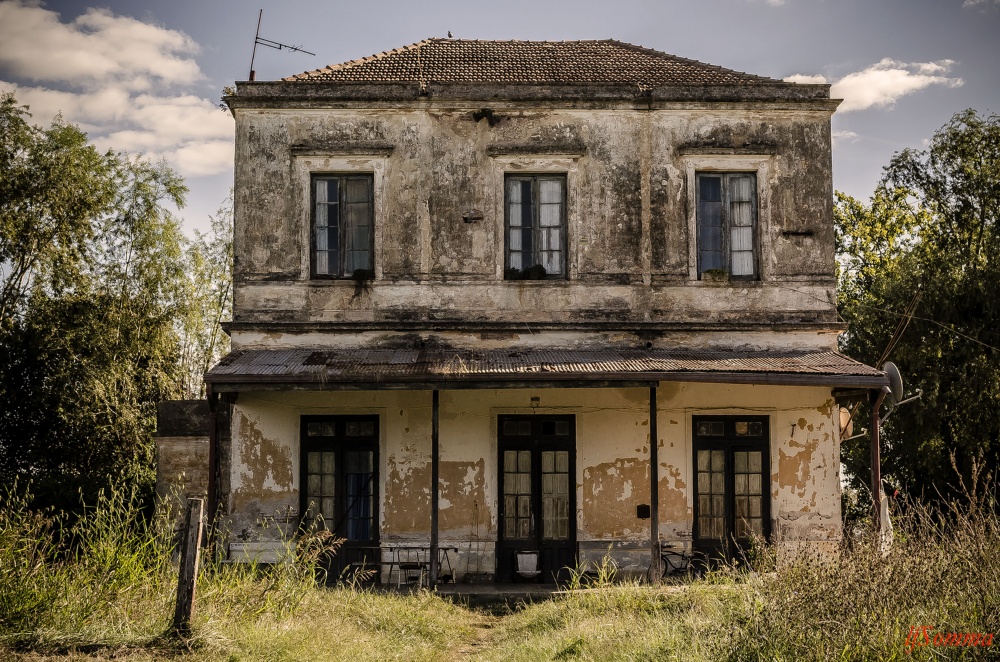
(96, 47)
(204, 158)
(844, 136)
(123, 81)
(973, 3)
(805, 78)
(884, 82)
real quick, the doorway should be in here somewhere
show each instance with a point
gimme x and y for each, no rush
(732, 486)
(536, 541)
(340, 490)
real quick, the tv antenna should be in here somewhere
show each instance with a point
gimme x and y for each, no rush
(270, 43)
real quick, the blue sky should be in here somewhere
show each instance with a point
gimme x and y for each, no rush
(145, 76)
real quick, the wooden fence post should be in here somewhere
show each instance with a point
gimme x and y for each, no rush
(190, 552)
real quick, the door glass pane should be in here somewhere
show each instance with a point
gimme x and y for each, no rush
(555, 495)
(748, 485)
(360, 491)
(562, 461)
(712, 494)
(517, 495)
(510, 460)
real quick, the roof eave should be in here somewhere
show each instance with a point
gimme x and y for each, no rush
(306, 93)
(235, 383)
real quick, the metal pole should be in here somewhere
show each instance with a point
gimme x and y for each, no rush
(435, 488)
(654, 485)
(256, 38)
(876, 463)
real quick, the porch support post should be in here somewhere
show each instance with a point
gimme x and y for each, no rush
(654, 485)
(876, 400)
(435, 487)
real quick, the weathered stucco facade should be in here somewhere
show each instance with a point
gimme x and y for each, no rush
(441, 353)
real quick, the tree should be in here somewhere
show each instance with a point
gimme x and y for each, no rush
(209, 296)
(93, 279)
(53, 184)
(920, 263)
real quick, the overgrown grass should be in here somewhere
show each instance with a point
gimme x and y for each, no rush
(104, 589)
(942, 570)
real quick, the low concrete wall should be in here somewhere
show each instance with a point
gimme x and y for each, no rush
(182, 432)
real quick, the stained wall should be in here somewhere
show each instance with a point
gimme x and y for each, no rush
(612, 460)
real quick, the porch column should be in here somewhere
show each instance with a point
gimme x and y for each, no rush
(435, 488)
(876, 459)
(654, 485)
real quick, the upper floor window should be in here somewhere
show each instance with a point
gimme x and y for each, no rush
(535, 227)
(342, 220)
(727, 222)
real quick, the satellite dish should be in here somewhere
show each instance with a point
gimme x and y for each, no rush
(895, 382)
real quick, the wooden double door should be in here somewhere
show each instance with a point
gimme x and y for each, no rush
(537, 510)
(732, 506)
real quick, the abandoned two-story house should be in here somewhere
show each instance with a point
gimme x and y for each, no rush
(525, 304)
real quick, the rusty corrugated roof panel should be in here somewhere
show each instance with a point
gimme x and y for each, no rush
(604, 61)
(385, 366)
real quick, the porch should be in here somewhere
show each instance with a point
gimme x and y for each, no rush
(499, 454)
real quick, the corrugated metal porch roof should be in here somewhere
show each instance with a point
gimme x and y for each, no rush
(498, 368)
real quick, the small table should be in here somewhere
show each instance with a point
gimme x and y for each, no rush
(412, 564)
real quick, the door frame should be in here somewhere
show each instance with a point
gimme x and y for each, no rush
(536, 442)
(351, 552)
(731, 441)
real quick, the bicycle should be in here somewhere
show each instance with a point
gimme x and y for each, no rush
(676, 562)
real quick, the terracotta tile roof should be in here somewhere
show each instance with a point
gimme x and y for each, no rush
(605, 61)
(379, 368)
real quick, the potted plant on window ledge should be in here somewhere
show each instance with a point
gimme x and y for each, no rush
(715, 276)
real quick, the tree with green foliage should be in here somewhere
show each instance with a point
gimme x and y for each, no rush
(209, 295)
(919, 285)
(93, 281)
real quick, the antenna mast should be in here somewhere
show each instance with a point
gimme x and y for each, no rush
(270, 43)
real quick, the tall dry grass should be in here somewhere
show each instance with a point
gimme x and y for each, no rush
(107, 582)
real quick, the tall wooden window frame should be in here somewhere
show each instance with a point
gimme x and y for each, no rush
(727, 228)
(539, 234)
(347, 245)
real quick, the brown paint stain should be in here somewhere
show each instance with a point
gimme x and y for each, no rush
(611, 491)
(827, 408)
(802, 423)
(266, 468)
(793, 470)
(407, 498)
(673, 422)
(464, 511)
(673, 497)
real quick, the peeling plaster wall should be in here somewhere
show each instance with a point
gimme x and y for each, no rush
(612, 476)
(631, 252)
(804, 458)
